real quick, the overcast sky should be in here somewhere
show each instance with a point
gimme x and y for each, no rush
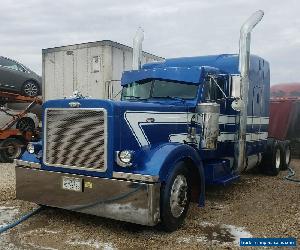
(173, 28)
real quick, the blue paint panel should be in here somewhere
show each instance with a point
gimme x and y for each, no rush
(218, 172)
(30, 157)
(257, 127)
(229, 128)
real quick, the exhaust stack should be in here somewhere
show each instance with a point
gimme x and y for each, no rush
(137, 49)
(244, 63)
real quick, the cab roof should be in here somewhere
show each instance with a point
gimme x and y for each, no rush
(189, 69)
(228, 63)
(190, 75)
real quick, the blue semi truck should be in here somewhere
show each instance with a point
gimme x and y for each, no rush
(181, 124)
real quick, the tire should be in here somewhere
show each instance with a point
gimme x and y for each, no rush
(286, 156)
(11, 149)
(25, 124)
(175, 198)
(274, 163)
(30, 88)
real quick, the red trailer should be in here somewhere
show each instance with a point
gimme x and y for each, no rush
(286, 90)
(285, 114)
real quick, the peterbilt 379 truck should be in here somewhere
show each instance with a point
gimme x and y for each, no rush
(181, 124)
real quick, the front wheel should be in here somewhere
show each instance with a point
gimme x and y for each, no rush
(175, 198)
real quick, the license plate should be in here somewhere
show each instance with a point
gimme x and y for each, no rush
(72, 184)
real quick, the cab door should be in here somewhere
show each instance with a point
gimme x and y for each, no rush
(254, 119)
(216, 89)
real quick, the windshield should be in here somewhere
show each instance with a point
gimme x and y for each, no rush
(154, 88)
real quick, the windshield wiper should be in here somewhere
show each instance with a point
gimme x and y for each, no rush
(133, 97)
(169, 97)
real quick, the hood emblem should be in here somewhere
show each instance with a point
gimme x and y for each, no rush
(74, 104)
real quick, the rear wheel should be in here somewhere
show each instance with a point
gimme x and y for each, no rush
(272, 158)
(175, 198)
(10, 149)
(286, 156)
(30, 88)
(274, 164)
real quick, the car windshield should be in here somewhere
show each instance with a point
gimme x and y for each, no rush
(155, 88)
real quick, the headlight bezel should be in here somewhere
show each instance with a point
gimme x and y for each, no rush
(124, 158)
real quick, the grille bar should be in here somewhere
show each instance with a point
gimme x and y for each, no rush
(76, 138)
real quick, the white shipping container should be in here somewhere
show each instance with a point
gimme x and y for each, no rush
(94, 69)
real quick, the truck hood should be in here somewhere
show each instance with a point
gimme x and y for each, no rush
(135, 126)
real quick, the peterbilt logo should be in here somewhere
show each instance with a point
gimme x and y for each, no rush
(74, 104)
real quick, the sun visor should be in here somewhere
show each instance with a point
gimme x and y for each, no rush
(190, 75)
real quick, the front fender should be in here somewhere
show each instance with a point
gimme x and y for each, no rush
(160, 161)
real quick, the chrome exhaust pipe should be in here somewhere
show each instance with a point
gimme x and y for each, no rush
(244, 64)
(137, 49)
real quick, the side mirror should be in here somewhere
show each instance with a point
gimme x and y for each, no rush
(237, 103)
(236, 86)
(212, 80)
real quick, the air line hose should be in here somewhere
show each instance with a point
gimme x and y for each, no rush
(290, 175)
(17, 222)
(25, 217)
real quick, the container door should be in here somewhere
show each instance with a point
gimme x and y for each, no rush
(68, 73)
(55, 76)
(95, 67)
(81, 71)
(118, 66)
(58, 74)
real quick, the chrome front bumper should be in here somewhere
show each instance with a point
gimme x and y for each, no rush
(130, 201)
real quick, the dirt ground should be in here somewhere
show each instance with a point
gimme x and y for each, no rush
(255, 206)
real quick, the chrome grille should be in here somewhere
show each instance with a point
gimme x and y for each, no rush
(75, 138)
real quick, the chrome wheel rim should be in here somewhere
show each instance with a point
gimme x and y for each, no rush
(277, 159)
(287, 156)
(30, 89)
(178, 196)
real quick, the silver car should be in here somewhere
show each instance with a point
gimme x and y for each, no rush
(15, 77)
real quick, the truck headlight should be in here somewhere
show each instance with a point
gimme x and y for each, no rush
(124, 158)
(30, 148)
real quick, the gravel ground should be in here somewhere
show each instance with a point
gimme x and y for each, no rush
(257, 206)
